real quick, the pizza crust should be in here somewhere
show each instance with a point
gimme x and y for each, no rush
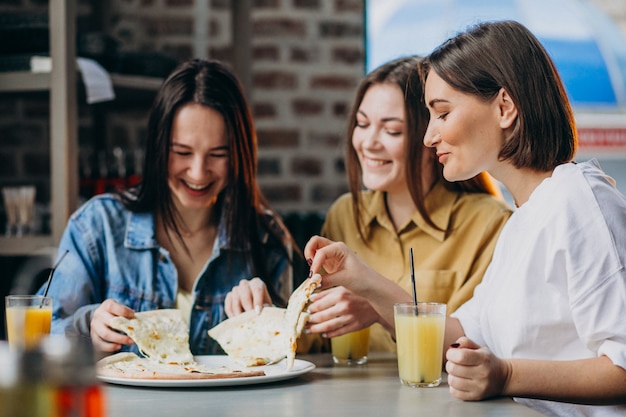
(128, 365)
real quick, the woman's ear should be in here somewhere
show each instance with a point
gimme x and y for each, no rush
(508, 109)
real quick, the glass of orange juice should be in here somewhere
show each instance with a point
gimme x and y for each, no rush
(28, 319)
(351, 348)
(419, 342)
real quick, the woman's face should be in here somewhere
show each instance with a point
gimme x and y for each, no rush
(378, 138)
(198, 162)
(464, 130)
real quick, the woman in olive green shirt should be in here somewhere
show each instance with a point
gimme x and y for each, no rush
(452, 227)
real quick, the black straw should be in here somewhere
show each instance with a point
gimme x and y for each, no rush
(52, 272)
(413, 276)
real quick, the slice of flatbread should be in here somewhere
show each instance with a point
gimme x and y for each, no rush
(261, 339)
(161, 335)
(295, 310)
(129, 365)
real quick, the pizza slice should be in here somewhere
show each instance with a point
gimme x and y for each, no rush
(129, 365)
(161, 335)
(261, 339)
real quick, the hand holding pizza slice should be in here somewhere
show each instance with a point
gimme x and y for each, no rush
(262, 339)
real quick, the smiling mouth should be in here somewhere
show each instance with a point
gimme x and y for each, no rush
(196, 187)
(375, 162)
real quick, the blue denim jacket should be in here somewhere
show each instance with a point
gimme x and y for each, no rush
(113, 253)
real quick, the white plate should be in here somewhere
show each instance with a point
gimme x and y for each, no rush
(275, 372)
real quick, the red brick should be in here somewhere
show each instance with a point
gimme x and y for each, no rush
(265, 53)
(269, 167)
(301, 54)
(279, 27)
(333, 82)
(274, 80)
(278, 138)
(347, 55)
(341, 109)
(169, 26)
(223, 53)
(264, 110)
(282, 193)
(309, 167)
(355, 6)
(307, 107)
(340, 29)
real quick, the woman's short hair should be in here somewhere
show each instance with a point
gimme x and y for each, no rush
(504, 54)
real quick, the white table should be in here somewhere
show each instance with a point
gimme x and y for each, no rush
(329, 390)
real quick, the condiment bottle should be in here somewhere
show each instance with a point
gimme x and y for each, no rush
(71, 376)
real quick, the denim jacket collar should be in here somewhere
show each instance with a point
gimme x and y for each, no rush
(141, 233)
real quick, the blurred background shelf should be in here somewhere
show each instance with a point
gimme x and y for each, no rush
(26, 245)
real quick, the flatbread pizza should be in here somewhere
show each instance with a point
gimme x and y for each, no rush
(129, 365)
(162, 336)
(261, 339)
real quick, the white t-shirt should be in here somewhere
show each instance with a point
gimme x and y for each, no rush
(556, 286)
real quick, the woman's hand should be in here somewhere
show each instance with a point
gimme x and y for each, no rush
(474, 373)
(248, 295)
(103, 337)
(343, 267)
(338, 311)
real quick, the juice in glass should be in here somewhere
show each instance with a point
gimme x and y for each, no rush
(419, 342)
(28, 320)
(351, 348)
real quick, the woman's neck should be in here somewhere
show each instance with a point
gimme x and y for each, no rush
(400, 207)
(521, 182)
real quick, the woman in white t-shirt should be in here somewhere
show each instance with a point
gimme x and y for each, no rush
(547, 325)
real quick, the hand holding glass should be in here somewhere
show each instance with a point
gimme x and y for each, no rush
(419, 341)
(28, 319)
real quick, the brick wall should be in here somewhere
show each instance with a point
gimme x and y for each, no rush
(307, 58)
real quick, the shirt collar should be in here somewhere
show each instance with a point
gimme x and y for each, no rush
(439, 203)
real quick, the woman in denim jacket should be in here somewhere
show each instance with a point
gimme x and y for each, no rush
(195, 226)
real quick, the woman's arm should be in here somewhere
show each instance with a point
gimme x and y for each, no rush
(474, 373)
(587, 381)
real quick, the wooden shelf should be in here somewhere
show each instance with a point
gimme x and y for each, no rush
(23, 81)
(27, 245)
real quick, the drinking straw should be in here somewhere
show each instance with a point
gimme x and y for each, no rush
(52, 272)
(413, 277)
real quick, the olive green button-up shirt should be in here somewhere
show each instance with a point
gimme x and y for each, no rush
(449, 262)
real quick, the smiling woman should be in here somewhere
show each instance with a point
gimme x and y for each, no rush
(194, 228)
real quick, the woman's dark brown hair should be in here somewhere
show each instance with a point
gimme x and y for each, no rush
(495, 55)
(404, 73)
